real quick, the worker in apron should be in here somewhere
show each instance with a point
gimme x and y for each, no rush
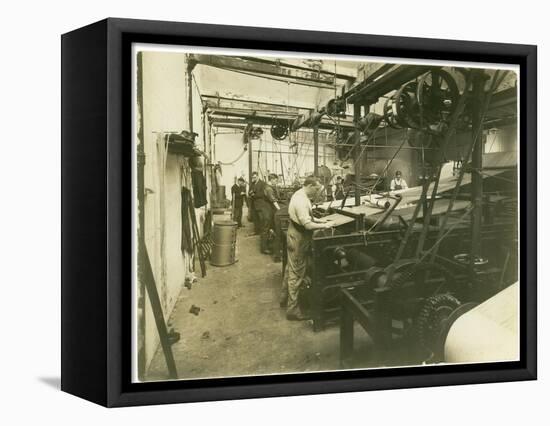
(299, 234)
(398, 183)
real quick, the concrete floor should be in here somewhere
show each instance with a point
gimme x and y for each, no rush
(241, 330)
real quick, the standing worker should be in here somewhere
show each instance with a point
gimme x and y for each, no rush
(255, 192)
(397, 182)
(339, 189)
(300, 231)
(238, 195)
(266, 207)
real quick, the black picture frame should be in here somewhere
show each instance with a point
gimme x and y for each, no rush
(96, 207)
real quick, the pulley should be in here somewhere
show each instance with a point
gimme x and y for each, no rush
(437, 97)
(279, 130)
(256, 132)
(425, 104)
(336, 107)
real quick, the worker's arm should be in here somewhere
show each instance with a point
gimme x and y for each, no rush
(308, 221)
(311, 226)
(270, 195)
(392, 185)
(318, 220)
(404, 184)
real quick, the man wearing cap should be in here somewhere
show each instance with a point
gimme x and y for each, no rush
(398, 182)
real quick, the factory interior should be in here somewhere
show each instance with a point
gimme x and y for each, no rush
(406, 255)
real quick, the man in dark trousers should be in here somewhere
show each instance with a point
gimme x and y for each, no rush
(339, 189)
(266, 207)
(255, 192)
(238, 198)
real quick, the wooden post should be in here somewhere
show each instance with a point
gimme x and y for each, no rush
(249, 161)
(477, 163)
(141, 220)
(189, 94)
(316, 150)
(346, 335)
(357, 151)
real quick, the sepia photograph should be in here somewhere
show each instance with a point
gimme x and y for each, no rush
(301, 213)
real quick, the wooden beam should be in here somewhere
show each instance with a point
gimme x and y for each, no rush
(268, 117)
(236, 63)
(214, 101)
(189, 96)
(357, 154)
(339, 76)
(249, 111)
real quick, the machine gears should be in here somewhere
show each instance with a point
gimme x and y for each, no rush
(429, 322)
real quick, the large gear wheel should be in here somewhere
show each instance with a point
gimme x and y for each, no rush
(437, 96)
(428, 324)
(425, 104)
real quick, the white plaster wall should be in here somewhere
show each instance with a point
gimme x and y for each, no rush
(164, 106)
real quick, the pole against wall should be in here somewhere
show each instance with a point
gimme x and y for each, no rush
(357, 140)
(316, 150)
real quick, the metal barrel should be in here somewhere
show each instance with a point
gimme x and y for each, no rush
(224, 239)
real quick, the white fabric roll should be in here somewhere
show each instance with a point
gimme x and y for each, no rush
(487, 333)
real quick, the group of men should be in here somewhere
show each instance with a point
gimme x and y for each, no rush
(302, 224)
(339, 188)
(264, 205)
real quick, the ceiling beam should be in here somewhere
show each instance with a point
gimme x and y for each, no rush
(262, 118)
(339, 76)
(236, 63)
(223, 102)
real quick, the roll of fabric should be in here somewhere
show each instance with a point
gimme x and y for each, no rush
(488, 332)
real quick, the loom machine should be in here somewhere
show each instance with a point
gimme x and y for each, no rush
(405, 265)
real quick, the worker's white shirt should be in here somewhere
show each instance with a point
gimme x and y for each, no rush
(401, 182)
(299, 208)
